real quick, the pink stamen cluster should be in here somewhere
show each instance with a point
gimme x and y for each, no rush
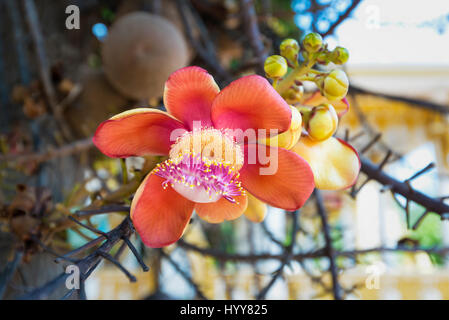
(194, 171)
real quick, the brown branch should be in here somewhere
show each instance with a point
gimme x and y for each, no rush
(249, 18)
(9, 271)
(39, 157)
(329, 250)
(288, 250)
(89, 263)
(43, 65)
(204, 53)
(403, 188)
(184, 275)
(342, 18)
(412, 101)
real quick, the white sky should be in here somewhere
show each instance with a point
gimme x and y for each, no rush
(392, 32)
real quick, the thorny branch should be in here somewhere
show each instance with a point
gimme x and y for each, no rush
(88, 264)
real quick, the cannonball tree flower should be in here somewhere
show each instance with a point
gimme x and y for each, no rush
(334, 162)
(211, 168)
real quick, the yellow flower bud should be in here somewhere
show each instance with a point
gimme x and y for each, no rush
(335, 85)
(323, 57)
(323, 122)
(339, 55)
(312, 42)
(293, 94)
(289, 138)
(290, 49)
(275, 66)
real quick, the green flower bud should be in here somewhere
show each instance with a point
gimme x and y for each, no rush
(312, 42)
(323, 58)
(289, 49)
(323, 122)
(335, 85)
(339, 55)
(275, 66)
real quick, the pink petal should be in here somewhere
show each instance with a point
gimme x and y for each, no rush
(222, 210)
(251, 103)
(288, 186)
(137, 132)
(188, 95)
(159, 216)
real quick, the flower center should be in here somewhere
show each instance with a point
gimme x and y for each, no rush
(210, 143)
(203, 166)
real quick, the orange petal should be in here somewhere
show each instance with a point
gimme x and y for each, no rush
(251, 103)
(159, 215)
(335, 164)
(256, 210)
(341, 107)
(188, 95)
(278, 177)
(137, 132)
(222, 210)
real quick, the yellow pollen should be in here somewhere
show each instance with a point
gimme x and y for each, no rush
(212, 144)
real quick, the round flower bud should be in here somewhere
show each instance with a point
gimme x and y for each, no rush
(323, 122)
(312, 42)
(323, 57)
(289, 49)
(275, 66)
(289, 138)
(293, 94)
(335, 85)
(339, 55)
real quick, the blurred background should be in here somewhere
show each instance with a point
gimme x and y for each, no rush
(61, 75)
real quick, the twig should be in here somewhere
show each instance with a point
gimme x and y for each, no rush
(40, 157)
(328, 246)
(111, 259)
(43, 65)
(210, 60)
(403, 188)
(7, 274)
(249, 18)
(88, 264)
(288, 250)
(51, 251)
(371, 143)
(342, 18)
(184, 275)
(19, 41)
(420, 172)
(136, 254)
(105, 209)
(412, 101)
(94, 230)
(84, 247)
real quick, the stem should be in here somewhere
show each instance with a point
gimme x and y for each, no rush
(285, 84)
(124, 171)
